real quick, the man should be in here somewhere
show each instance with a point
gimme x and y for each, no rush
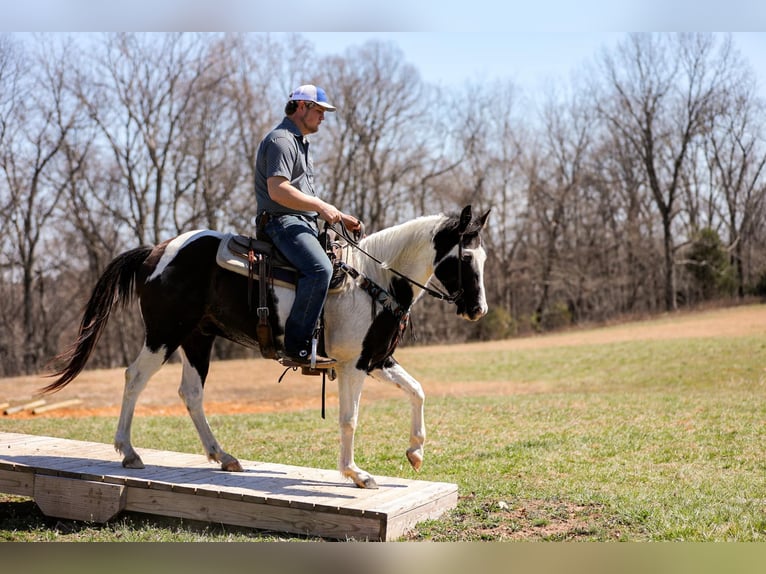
(288, 208)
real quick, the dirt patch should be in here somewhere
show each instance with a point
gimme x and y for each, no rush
(541, 520)
(250, 386)
(524, 520)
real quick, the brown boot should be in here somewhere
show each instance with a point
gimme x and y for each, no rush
(303, 359)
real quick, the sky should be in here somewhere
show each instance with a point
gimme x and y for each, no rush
(451, 59)
(530, 59)
(449, 42)
(491, 16)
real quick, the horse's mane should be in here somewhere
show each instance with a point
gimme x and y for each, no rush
(398, 245)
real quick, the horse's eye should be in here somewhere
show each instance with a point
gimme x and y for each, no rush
(471, 241)
(467, 256)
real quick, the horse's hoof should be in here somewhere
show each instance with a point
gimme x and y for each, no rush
(133, 462)
(232, 466)
(368, 483)
(415, 458)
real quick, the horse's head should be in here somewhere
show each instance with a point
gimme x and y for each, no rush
(459, 262)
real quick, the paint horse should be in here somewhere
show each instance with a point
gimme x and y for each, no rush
(187, 300)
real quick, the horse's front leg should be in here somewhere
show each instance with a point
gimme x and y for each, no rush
(393, 373)
(350, 382)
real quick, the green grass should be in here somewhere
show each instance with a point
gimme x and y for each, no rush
(649, 440)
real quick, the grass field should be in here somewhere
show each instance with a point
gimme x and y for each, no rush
(639, 439)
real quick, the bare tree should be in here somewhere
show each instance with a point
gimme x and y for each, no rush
(378, 142)
(736, 159)
(38, 128)
(263, 72)
(660, 91)
(140, 108)
(11, 73)
(557, 202)
(489, 140)
(630, 219)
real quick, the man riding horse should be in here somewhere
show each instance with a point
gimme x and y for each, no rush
(188, 299)
(288, 208)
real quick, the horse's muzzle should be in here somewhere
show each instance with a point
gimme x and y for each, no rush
(473, 313)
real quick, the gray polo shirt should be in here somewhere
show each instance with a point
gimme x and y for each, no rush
(283, 152)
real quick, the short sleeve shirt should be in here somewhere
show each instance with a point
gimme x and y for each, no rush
(283, 152)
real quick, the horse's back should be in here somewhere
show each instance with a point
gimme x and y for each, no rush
(183, 251)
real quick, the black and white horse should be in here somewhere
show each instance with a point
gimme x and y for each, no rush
(187, 300)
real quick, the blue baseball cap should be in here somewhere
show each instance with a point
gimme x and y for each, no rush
(311, 93)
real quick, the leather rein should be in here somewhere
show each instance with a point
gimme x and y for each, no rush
(436, 293)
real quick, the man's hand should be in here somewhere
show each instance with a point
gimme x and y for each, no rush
(351, 223)
(329, 213)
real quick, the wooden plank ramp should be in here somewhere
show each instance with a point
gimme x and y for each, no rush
(81, 480)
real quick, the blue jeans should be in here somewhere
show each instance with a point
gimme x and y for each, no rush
(297, 239)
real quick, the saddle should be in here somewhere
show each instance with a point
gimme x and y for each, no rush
(235, 252)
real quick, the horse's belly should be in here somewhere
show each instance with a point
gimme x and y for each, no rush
(285, 298)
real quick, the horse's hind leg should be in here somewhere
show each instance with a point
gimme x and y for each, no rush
(196, 361)
(137, 375)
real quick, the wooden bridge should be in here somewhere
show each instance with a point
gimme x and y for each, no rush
(80, 480)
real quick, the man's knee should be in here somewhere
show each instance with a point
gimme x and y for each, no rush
(322, 271)
(316, 277)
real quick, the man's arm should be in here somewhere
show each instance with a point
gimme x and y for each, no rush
(281, 191)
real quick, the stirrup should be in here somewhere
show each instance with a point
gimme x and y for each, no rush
(293, 363)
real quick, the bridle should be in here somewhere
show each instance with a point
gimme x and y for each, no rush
(436, 293)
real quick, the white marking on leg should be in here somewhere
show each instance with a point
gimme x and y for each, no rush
(191, 392)
(136, 376)
(172, 249)
(396, 375)
(350, 382)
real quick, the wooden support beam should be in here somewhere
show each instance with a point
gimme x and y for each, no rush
(78, 499)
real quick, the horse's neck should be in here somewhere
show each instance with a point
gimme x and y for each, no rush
(407, 248)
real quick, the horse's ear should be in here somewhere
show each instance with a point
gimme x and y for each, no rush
(483, 218)
(465, 219)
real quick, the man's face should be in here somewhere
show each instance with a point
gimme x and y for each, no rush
(308, 117)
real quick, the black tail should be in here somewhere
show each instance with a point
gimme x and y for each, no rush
(115, 286)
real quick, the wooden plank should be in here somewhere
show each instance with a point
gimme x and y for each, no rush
(387, 497)
(63, 456)
(175, 459)
(13, 467)
(252, 515)
(78, 499)
(14, 482)
(165, 477)
(22, 441)
(397, 526)
(412, 498)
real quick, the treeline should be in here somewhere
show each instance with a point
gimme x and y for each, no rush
(636, 187)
